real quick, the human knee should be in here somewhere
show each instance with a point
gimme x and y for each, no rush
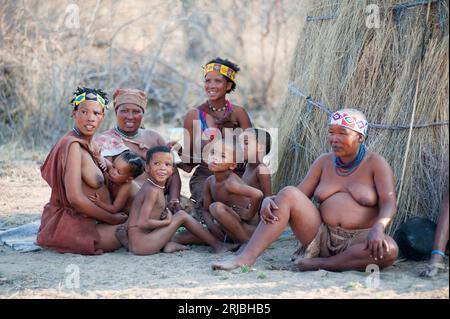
(216, 209)
(289, 193)
(392, 254)
(181, 215)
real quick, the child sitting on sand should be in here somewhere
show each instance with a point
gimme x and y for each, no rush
(151, 225)
(230, 205)
(256, 144)
(125, 167)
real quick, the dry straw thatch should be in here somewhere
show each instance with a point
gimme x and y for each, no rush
(341, 62)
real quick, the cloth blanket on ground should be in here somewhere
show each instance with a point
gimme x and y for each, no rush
(21, 238)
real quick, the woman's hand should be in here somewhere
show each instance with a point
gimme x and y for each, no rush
(267, 215)
(376, 242)
(175, 146)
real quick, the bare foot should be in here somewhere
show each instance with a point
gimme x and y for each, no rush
(122, 235)
(305, 264)
(431, 270)
(299, 252)
(223, 247)
(99, 252)
(241, 249)
(279, 266)
(172, 247)
(226, 265)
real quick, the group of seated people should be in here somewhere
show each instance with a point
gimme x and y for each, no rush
(121, 188)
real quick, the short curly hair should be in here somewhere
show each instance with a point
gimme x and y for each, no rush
(81, 90)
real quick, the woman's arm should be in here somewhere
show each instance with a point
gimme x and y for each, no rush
(385, 187)
(243, 119)
(175, 186)
(307, 187)
(312, 178)
(77, 199)
(188, 137)
(265, 180)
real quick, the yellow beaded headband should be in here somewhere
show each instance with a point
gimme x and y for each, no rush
(82, 97)
(223, 69)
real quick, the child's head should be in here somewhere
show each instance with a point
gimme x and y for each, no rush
(126, 167)
(256, 143)
(159, 163)
(224, 155)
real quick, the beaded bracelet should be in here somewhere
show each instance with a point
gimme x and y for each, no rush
(438, 252)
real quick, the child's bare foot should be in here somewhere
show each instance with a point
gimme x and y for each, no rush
(223, 247)
(241, 249)
(305, 264)
(122, 235)
(226, 265)
(172, 247)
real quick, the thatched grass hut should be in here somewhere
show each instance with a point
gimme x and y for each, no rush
(395, 71)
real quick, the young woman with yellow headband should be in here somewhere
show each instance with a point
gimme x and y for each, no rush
(213, 116)
(70, 222)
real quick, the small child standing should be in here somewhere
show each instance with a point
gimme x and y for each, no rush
(151, 225)
(230, 205)
(256, 144)
(125, 167)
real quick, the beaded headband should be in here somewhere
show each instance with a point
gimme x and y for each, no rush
(223, 69)
(349, 121)
(90, 97)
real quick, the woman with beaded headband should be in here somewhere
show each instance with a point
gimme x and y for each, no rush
(128, 134)
(70, 222)
(355, 192)
(203, 123)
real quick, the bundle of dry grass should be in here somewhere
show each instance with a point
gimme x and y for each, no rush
(48, 48)
(340, 62)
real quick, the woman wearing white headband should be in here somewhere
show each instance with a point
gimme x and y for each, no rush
(356, 195)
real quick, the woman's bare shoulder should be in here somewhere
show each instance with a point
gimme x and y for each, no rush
(322, 159)
(377, 160)
(239, 109)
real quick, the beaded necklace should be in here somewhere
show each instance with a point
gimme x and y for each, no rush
(125, 135)
(154, 184)
(223, 109)
(345, 169)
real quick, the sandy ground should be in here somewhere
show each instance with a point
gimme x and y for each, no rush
(46, 274)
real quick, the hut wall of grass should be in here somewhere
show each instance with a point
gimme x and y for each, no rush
(396, 73)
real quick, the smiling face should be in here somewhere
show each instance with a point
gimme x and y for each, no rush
(88, 117)
(129, 117)
(221, 158)
(120, 172)
(216, 85)
(160, 167)
(343, 141)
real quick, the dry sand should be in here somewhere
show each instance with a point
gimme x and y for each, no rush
(46, 274)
